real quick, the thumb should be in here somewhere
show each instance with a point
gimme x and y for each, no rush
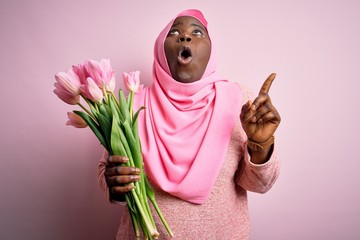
(245, 111)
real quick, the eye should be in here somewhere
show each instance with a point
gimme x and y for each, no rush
(173, 32)
(197, 32)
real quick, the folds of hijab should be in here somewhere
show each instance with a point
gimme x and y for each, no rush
(186, 128)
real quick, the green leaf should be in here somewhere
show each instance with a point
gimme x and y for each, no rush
(115, 142)
(94, 111)
(135, 150)
(115, 109)
(106, 112)
(137, 114)
(126, 146)
(94, 127)
(149, 192)
(106, 129)
(129, 154)
(124, 108)
(135, 129)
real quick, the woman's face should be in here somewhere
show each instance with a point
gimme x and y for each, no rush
(187, 49)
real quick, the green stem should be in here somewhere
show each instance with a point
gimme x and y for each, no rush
(145, 217)
(153, 201)
(148, 210)
(129, 155)
(133, 218)
(87, 111)
(91, 105)
(105, 94)
(113, 94)
(131, 103)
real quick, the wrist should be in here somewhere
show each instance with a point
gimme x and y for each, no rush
(258, 147)
(262, 156)
(260, 153)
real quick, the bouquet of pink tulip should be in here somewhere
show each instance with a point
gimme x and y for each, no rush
(114, 123)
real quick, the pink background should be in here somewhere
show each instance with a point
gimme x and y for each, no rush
(48, 170)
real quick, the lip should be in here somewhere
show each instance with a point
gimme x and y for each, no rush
(184, 60)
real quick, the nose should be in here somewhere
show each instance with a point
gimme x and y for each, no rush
(184, 38)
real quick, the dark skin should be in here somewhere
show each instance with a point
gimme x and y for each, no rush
(187, 49)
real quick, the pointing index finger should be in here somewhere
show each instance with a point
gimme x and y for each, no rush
(267, 84)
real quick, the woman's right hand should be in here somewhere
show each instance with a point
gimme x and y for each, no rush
(118, 177)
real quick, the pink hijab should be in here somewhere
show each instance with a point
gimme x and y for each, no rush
(186, 128)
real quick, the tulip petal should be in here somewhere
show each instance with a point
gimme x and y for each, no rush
(94, 70)
(111, 84)
(81, 71)
(66, 97)
(132, 81)
(75, 120)
(102, 73)
(69, 81)
(92, 91)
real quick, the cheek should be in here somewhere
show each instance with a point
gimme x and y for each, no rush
(204, 53)
(168, 50)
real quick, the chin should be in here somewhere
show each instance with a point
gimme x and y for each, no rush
(185, 77)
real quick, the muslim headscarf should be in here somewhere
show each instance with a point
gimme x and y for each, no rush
(186, 128)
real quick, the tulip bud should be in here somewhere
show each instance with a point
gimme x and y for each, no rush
(132, 81)
(66, 97)
(67, 86)
(75, 120)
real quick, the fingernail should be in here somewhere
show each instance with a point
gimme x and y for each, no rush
(135, 177)
(253, 107)
(253, 119)
(136, 170)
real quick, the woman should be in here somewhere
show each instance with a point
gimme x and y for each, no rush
(200, 156)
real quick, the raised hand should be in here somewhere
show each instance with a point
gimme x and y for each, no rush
(260, 118)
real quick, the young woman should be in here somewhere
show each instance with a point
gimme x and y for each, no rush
(205, 141)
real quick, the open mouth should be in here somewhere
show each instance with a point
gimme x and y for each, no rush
(185, 55)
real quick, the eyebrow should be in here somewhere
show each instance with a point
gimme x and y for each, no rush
(192, 24)
(197, 25)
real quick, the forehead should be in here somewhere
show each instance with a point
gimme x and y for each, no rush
(187, 21)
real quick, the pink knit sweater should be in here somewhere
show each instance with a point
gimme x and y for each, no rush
(225, 214)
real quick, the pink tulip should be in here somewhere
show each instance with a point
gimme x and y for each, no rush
(92, 91)
(68, 81)
(102, 73)
(132, 81)
(75, 120)
(81, 71)
(66, 97)
(67, 87)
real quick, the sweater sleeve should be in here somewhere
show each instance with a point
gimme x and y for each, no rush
(255, 177)
(101, 176)
(258, 177)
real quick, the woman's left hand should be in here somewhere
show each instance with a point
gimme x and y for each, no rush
(260, 118)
